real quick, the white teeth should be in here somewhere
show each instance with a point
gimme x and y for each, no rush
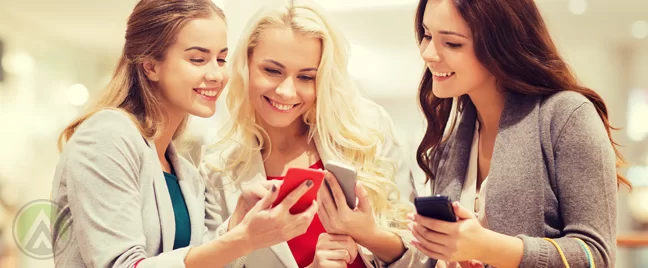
(282, 107)
(442, 74)
(209, 93)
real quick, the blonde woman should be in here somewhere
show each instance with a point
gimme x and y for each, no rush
(126, 198)
(293, 104)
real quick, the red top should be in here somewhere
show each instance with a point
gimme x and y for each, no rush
(303, 246)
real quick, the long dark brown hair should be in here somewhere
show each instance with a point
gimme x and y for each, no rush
(152, 27)
(521, 55)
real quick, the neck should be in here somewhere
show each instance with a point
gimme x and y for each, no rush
(163, 141)
(489, 103)
(285, 139)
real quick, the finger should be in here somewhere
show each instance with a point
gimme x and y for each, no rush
(427, 252)
(332, 264)
(429, 235)
(364, 204)
(266, 201)
(337, 255)
(327, 202)
(340, 238)
(267, 184)
(430, 242)
(461, 212)
(434, 224)
(307, 216)
(338, 194)
(294, 196)
(323, 216)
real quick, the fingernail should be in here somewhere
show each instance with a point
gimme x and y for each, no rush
(274, 188)
(410, 216)
(309, 183)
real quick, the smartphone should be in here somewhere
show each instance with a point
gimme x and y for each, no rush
(294, 178)
(347, 177)
(437, 207)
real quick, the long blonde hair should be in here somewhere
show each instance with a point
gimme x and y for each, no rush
(341, 117)
(152, 27)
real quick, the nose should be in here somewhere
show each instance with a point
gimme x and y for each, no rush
(287, 89)
(215, 73)
(429, 53)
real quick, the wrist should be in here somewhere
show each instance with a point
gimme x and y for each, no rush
(364, 237)
(238, 215)
(240, 239)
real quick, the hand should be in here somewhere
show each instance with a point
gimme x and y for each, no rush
(449, 241)
(338, 218)
(265, 225)
(471, 264)
(334, 251)
(251, 193)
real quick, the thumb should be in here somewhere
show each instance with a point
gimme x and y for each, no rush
(267, 200)
(461, 212)
(364, 204)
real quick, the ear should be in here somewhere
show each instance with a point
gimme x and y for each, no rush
(152, 69)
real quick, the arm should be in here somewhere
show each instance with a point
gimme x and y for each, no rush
(217, 218)
(101, 169)
(101, 166)
(393, 248)
(586, 188)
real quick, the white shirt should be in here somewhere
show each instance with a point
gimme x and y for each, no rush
(470, 197)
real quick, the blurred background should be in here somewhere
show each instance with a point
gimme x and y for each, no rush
(55, 55)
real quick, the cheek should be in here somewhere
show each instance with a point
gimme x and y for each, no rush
(308, 94)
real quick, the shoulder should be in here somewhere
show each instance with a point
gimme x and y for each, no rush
(216, 158)
(108, 128)
(560, 108)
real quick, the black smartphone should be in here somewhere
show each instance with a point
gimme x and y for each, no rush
(437, 207)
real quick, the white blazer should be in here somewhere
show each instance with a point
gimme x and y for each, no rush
(222, 196)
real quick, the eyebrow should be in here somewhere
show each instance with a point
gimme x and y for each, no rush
(446, 32)
(284, 67)
(202, 49)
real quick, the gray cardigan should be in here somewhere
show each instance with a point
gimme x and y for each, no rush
(552, 174)
(112, 193)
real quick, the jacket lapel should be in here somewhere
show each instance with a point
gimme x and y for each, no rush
(163, 202)
(189, 180)
(517, 167)
(452, 171)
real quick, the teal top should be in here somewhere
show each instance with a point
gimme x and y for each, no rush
(182, 222)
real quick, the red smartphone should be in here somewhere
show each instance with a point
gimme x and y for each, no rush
(295, 177)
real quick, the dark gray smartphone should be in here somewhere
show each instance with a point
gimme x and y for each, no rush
(347, 177)
(437, 207)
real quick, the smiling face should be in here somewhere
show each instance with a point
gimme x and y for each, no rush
(283, 70)
(448, 51)
(193, 72)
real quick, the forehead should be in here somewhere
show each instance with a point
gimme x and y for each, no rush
(210, 33)
(442, 15)
(288, 48)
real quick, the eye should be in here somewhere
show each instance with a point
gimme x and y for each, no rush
(272, 71)
(427, 37)
(306, 78)
(453, 45)
(222, 61)
(197, 60)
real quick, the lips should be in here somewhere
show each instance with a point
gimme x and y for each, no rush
(280, 106)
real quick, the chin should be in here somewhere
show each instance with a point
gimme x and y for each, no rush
(279, 122)
(204, 113)
(444, 93)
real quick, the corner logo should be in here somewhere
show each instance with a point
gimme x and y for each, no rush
(33, 232)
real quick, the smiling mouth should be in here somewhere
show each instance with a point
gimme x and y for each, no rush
(280, 106)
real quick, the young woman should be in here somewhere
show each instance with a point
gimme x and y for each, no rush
(530, 158)
(293, 104)
(126, 197)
